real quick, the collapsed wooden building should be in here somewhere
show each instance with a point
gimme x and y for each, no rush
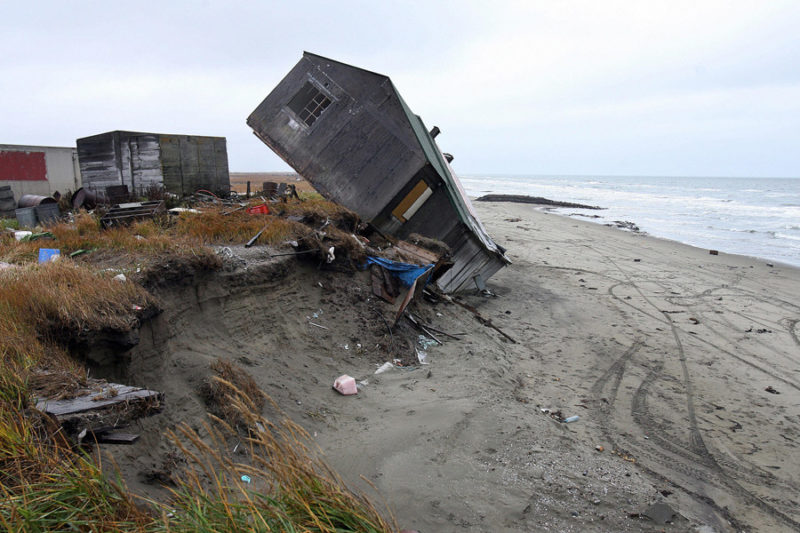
(180, 164)
(350, 133)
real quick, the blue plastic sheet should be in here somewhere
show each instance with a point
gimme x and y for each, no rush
(405, 272)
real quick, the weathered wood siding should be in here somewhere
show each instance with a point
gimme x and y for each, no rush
(141, 166)
(360, 152)
(181, 164)
(99, 160)
(190, 162)
(469, 259)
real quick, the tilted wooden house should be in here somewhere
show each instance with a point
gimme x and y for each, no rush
(181, 164)
(349, 132)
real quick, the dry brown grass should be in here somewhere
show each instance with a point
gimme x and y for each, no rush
(64, 295)
(284, 485)
(220, 391)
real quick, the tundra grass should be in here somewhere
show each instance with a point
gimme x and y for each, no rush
(47, 483)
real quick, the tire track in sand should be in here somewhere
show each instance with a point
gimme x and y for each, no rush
(698, 452)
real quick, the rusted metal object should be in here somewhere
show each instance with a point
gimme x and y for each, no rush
(32, 200)
(88, 199)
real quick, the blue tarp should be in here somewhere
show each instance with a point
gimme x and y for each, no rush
(405, 272)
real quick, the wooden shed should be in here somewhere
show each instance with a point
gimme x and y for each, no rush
(349, 132)
(181, 164)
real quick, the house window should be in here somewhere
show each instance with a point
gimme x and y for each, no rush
(309, 103)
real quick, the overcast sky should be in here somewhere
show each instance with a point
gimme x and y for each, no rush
(697, 88)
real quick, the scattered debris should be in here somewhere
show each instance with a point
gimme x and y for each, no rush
(570, 419)
(260, 209)
(179, 210)
(37, 236)
(713, 252)
(345, 385)
(771, 390)
(599, 448)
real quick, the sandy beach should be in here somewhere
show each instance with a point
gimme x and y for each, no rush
(683, 368)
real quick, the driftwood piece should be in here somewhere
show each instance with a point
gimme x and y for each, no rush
(112, 394)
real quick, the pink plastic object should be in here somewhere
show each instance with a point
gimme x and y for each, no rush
(345, 385)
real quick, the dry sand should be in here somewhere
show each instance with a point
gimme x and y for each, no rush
(663, 350)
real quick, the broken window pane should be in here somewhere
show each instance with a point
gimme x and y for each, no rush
(309, 103)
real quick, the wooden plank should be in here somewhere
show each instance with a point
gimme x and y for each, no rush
(111, 394)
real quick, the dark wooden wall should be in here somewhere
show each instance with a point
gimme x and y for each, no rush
(191, 162)
(181, 164)
(360, 153)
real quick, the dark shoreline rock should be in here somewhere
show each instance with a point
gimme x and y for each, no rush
(521, 199)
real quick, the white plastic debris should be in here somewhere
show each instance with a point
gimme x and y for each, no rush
(120, 277)
(19, 235)
(422, 356)
(331, 257)
(384, 367)
(346, 385)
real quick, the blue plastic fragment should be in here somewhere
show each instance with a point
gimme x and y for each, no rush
(246, 479)
(48, 254)
(405, 272)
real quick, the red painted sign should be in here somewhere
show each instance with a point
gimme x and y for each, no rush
(22, 166)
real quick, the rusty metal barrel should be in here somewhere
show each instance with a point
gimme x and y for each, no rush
(33, 200)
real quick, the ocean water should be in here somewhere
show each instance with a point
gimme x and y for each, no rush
(757, 217)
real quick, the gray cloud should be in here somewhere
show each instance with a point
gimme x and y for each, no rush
(686, 88)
